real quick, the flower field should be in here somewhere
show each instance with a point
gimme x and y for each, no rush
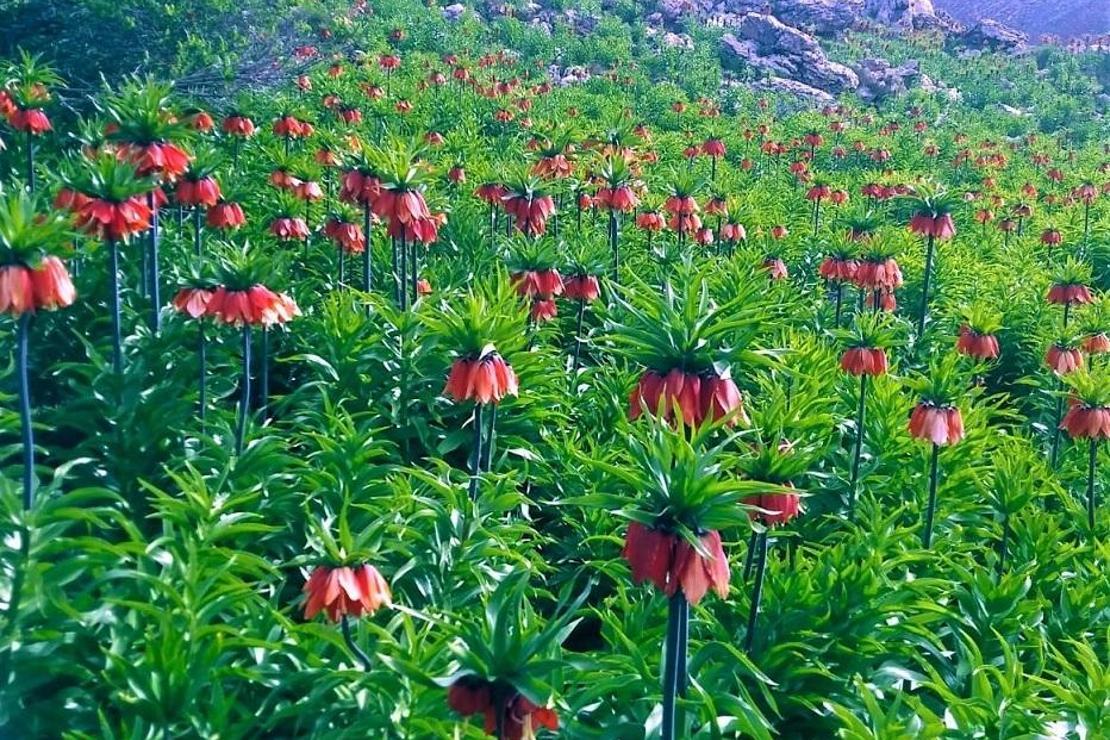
(419, 396)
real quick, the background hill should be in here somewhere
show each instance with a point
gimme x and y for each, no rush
(1061, 17)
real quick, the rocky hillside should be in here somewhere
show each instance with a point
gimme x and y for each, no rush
(1036, 17)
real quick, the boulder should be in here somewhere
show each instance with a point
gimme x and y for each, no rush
(905, 14)
(823, 17)
(454, 12)
(766, 43)
(795, 89)
(879, 80)
(989, 34)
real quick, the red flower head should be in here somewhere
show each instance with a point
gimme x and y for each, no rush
(1096, 344)
(201, 121)
(291, 128)
(51, 286)
(779, 232)
(69, 200)
(237, 125)
(257, 305)
(582, 288)
(659, 394)
(469, 695)
(1051, 237)
(530, 213)
(389, 62)
(704, 236)
(308, 191)
(696, 573)
(163, 159)
(864, 361)
(348, 236)
(776, 268)
(359, 188)
(972, 344)
(544, 309)
(288, 228)
(733, 233)
(621, 199)
(193, 301)
(491, 192)
(1069, 293)
(778, 508)
(818, 192)
(837, 269)
(485, 379)
(1087, 422)
(225, 215)
(939, 227)
(650, 554)
(423, 287)
(1063, 360)
(650, 221)
(881, 274)
(721, 399)
(201, 192)
(520, 719)
(941, 425)
(344, 591)
(31, 120)
(713, 148)
(17, 294)
(108, 220)
(456, 175)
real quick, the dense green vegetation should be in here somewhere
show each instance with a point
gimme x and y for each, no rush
(691, 408)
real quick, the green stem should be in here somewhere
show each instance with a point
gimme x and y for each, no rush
(350, 640)
(925, 287)
(202, 361)
(757, 592)
(930, 511)
(367, 272)
(488, 447)
(476, 459)
(155, 289)
(674, 671)
(245, 399)
(1092, 460)
(859, 446)
(22, 340)
(113, 297)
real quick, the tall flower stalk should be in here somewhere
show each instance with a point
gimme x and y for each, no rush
(865, 357)
(113, 208)
(32, 278)
(936, 419)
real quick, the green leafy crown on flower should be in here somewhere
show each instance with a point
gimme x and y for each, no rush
(684, 327)
(524, 254)
(491, 314)
(107, 177)
(29, 79)
(981, 318)
(1090, 387)
(240, 266)
(1072, 272)
(511, 643)
(140, 108)
(398, 164)
(871, 330)
(674, 479)
(929, 199)
(28, 234)
(943, 383)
